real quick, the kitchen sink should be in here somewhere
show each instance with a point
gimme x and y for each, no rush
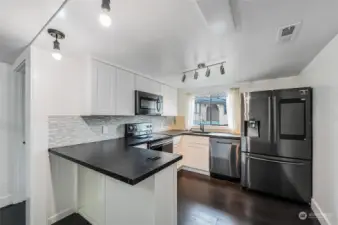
(200, 132)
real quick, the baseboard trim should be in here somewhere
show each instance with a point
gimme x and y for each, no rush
(195, 170)
(60, 215)
(5, 201)
(321, 216)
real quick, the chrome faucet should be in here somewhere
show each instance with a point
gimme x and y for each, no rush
(202, 125)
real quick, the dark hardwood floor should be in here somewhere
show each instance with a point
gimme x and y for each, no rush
(74, 219)
(13, 214)
(206, 201)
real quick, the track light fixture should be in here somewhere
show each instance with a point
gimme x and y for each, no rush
(202, 66)
(104, 18)
(183, 78)
(207, 73)
(58, 35)
(222, 70)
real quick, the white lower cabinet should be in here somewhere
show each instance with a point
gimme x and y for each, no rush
(177, 149)
(195, 151)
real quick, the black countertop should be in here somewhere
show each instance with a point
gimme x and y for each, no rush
(174, 133)
(117, 159)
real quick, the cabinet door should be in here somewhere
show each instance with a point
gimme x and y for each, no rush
(106, 80)
(147, 85)
(196, 152)
(176, 143)
(166, 100)
(174, 101)
(125, 99)
(169, 100)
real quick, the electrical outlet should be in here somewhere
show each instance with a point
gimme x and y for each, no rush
(105, 129)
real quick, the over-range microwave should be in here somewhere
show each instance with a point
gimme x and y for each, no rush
(148, 104)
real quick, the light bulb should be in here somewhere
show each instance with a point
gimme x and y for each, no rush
(57, 55)
(105, 19)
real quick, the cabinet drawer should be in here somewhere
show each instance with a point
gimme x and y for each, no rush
(196, 140)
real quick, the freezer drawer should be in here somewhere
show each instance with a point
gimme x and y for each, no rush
(225, 157)
(288, 178)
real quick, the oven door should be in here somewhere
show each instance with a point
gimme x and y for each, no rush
(148, 104)
(163, 145)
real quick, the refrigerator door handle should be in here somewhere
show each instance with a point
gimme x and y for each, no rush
(269, 119)
(275, 118)
(276, 161)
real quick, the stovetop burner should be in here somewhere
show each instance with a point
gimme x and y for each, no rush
(142, 132)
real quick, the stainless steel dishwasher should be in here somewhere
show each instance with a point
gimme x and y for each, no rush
(225, 161)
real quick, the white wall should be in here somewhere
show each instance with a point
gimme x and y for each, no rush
(52, 88)
(322, 74)
(65, 83)
(5, 192)
(58, 88)
(272, 84)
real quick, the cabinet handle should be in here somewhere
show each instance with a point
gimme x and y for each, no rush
(269, 118)
(276, 161)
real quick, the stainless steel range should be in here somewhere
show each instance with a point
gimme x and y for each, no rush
(142, 133)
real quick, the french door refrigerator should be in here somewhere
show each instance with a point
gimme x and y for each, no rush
(276, 143)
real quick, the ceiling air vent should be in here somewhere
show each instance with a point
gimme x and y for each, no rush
(288, 33)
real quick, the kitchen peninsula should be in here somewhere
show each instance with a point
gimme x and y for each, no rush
(121, 184)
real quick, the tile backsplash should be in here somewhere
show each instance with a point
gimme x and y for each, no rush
(71, 130)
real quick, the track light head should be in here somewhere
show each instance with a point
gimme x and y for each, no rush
(196, 75)
(222, 69)
(207, 73)
(183, 78)
(104, 17)
(105, 6)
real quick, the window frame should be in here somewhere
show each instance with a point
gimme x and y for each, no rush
(210, 125)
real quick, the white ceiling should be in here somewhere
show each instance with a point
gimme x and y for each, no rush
(162, 38)
(20, 22)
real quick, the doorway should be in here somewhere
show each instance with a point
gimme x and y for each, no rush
(17, 135)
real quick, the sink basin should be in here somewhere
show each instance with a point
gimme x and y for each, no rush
(200, 132)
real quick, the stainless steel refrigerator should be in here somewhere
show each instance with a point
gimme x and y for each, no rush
(276, 143)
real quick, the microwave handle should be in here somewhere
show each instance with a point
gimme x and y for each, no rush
(158, 105)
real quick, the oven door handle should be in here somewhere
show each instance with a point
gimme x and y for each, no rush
(156, 144)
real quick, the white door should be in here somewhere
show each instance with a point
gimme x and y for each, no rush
(125, 89)
(18, 156)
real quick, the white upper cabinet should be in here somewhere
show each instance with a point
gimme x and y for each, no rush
(104, 89)
(112, 91)
(169, 100)
(147, 85)
(125, 89)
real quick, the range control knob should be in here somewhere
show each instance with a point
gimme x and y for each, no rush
(130, 128)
